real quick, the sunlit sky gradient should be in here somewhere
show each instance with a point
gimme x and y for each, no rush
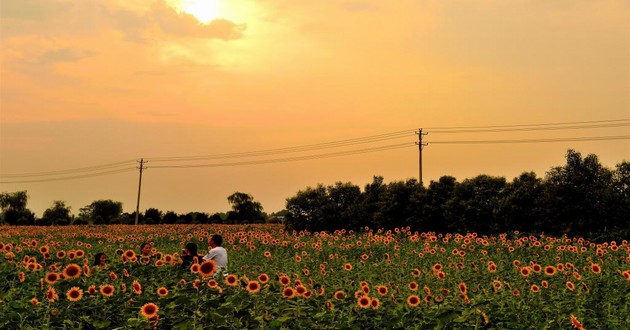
(89, 83)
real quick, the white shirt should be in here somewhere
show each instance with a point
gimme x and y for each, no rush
(219, 255)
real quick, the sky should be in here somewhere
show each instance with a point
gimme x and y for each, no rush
(269, 97)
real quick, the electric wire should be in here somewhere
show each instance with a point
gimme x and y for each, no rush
(83, 176)
(74, 173)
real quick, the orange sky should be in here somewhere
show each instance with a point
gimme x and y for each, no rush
(89, 83)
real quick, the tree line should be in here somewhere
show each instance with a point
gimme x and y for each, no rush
(581, 198)
(108, 212)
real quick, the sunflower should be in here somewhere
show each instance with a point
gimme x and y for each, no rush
(576, 323)
(231, 280)
(194, 268)
(74, 294)
(534, 288)
(596, 269)
(207, 268)
(288, 292)
(61, 254)
(413, 300)
(284, 280)
(347, 266)
(364, 301)
(92, 289)
(263, 278)
(626, 274)
(339, 294)
(72, 271)
(375, 303)
(34, 301)
(525, 271)
(550, 270)
(107, 290)
(162, 291)
(462, 287)
(44, 249)
(544, 284)
(136, 287)
(253, 287)
(52, 278)
(149, 310)
(212, 284)
(113, 276)
(52, 294)
(537, 268)
(570, 286)
(381, 290)
(129, 254)
(413, 286)
(437, 267)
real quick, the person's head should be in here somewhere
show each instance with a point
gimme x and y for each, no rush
(216, 240)
(145, 249)
(100, 259)
(192, 249)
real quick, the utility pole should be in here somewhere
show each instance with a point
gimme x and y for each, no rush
(420, 145)
(141, 168)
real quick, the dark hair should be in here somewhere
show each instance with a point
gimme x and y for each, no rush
(143, 245)
(217, 239)
(192, 248)
(97, 258)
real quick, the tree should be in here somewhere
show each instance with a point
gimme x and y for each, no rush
(395, 209)
(520, 206)
(102, 211)
(473, 204)
(152, 216)
(245, 209)
(304, 210)
(57, 214)
(341, 208)
(14, 211)
(438, 194)
(574, 196)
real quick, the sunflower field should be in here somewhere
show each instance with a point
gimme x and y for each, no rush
(278, 279)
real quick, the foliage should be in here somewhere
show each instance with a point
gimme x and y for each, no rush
(407, 280)
(244, 209)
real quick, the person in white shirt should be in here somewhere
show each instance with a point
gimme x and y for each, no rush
(218, 254)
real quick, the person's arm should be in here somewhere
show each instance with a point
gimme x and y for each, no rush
(211, 254)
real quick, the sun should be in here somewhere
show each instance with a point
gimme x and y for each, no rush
(204, 11)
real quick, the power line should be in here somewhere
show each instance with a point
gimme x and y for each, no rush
(336, 144)
(480, 130)
(310, 147)
(530, 125)
(396, 135)
(70, 171)
(591, 138)
(73, 177)
(290, 159)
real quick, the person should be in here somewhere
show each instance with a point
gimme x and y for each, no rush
(145, 253)
(189, 253)
(218, 254)
(100, 260)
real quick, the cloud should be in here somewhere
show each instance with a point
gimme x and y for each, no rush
(64, 55)
(31, 9)
(183, 24)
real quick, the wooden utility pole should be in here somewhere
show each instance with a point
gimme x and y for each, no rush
(420, 145)
(141, 168)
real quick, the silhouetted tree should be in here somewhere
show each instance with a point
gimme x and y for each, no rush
(244, 208)
(57, 214)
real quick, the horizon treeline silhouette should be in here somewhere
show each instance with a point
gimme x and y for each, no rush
(579, 199)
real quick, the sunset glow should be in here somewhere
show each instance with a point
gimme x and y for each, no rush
(84, 84)
(203, 10)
